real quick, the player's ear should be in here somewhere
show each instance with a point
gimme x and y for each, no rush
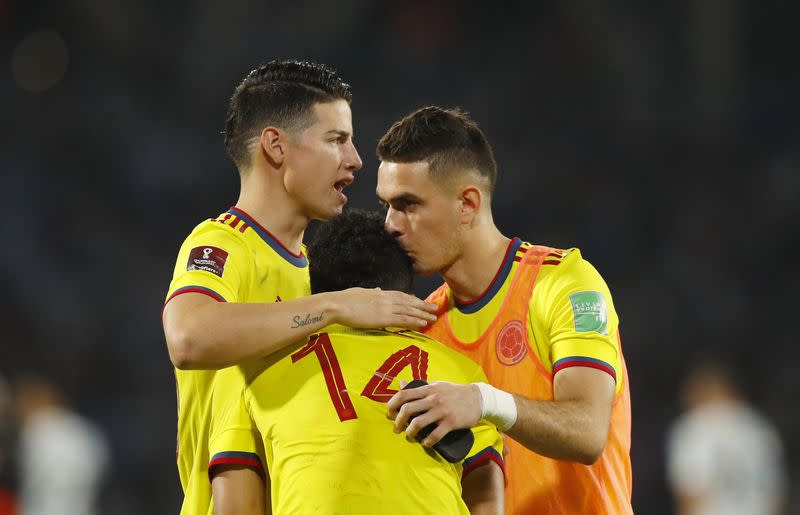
(272, 144)
(470, 200)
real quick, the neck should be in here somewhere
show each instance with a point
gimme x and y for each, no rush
(268, 204)
(481, 256)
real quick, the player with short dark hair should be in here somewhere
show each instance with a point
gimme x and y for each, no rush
(240, 289)
(446, 143)
(319, 405)
(539, 320)
(281, 94)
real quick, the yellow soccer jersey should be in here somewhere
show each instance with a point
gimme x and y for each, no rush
(231, 259)
(330, 447)
(571, 317)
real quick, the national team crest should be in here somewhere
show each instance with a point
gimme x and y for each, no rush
(511, 346)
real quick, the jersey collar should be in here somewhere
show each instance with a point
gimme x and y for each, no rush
(475, 305)
(298, 260)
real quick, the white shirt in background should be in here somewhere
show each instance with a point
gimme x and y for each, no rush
(728, 455)
(63, 458)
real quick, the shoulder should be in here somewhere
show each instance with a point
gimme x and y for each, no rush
(568, 267)
(214, 231)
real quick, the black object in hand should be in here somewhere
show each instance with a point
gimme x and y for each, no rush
(455, 445)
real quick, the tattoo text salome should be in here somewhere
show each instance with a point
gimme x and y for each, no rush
(300, 320)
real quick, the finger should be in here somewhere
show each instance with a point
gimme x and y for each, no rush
(436, 435)
(403, 384)
(414, 312)
(420, 421)
(407, 322)
(418, 303)
(402, 397)
(410, 409)
(423, 315)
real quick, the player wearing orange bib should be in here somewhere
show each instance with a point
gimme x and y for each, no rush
(289, 132)
(540, 321)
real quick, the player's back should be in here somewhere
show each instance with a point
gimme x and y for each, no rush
(329, 444)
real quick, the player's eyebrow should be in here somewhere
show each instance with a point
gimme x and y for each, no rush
(339, 132)
(403, 198)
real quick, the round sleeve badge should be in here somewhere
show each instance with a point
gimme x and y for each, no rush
(511, 344)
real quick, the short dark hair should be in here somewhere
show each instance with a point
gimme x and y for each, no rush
(279, 93)
(447, 139)
(354, 249)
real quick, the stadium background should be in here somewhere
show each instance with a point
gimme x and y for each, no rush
(662, 138)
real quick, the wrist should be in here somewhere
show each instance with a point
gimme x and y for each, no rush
(497, 406)
(331, 306)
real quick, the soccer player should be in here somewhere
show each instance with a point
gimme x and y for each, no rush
(319, 405)
(723, 455)
(240, 286)
(539, 320)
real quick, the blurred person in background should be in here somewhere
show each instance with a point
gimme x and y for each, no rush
(723, 457)
(539, 320)
(63, 457)
(240, 288)
(8, 498)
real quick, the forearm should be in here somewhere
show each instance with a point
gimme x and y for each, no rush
(215, 335)
(560, 429)
(483, 490)
(240, 491)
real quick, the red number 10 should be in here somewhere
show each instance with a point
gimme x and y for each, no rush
(377, 388)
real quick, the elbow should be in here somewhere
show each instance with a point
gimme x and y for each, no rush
(589, 456)
(593, 449)
(182, 351)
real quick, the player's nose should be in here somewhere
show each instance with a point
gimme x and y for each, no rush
(391, 223)
(353, 161)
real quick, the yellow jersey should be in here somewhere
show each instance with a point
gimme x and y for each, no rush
(571, 317)
(330, 447)
(231, 259)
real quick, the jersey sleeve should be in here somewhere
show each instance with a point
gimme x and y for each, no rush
(578, 318)
(213, 262)
(234, 439)
(488, 444)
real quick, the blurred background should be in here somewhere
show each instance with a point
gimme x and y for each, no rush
(662, 138)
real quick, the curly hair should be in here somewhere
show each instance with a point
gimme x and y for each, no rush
(354, 250)
(279, 93)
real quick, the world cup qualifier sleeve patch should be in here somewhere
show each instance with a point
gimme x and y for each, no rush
(211, 259)
(590, 313)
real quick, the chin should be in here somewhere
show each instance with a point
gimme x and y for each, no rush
(420, 269)
(324, 216)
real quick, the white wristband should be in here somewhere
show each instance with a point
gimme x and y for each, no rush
(497, 406)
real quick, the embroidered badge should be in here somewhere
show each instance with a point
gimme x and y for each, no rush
(510, 346)
(589, 310)
(209, 259)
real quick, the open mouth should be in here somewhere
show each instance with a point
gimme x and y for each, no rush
(342, 184)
